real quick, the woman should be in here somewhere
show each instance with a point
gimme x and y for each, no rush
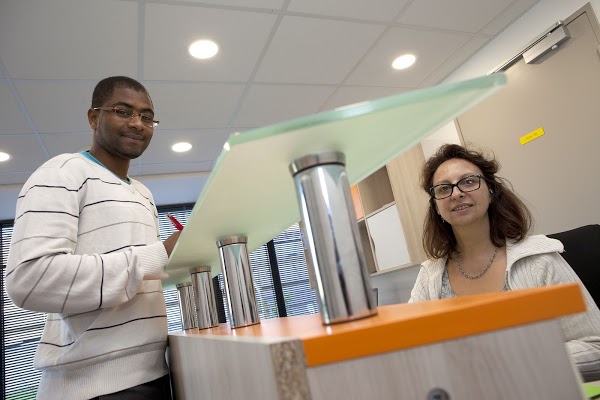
(475, 234)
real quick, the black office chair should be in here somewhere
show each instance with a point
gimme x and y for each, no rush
(582, 252)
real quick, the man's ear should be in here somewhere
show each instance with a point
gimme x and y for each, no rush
(93, 119)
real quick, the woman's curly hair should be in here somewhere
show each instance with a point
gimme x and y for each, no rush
(509, 216)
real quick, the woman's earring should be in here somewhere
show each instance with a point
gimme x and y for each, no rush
(443, 220)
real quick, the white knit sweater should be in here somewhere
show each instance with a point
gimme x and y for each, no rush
(535, 262)
(85, 249)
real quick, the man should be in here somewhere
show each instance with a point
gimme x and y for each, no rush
(86, 250)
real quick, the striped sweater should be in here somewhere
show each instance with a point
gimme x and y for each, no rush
(535, 262)
(86, 250)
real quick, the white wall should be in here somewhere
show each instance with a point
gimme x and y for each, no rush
(517, 36)
(503, 48)
(446, 134)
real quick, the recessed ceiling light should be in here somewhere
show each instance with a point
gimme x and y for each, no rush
(203, 49)
(404, 61)
(181, 147)
(4, 156)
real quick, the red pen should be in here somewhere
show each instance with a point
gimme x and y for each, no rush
(176, 223)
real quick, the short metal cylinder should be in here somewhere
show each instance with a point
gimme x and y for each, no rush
(333, 245)
(187, 307)
(239, 286)
(204, 298)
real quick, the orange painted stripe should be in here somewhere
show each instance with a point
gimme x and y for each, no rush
(441, 320)
(402, 326)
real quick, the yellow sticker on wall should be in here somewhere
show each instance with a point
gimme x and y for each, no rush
(532, 135)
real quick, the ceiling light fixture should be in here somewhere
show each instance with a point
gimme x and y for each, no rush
(203, 49)
(4, 156)
(404, 61)
(181, 147)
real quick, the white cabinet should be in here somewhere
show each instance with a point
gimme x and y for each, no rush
(387, 235)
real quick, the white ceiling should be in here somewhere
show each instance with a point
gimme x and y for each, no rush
(278, 59)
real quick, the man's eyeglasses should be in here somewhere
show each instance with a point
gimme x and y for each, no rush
(128, 113)
(466, 184)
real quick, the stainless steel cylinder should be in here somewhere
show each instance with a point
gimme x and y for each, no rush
(333, 240)
(239, 286)
(187, 307)
(204, 298)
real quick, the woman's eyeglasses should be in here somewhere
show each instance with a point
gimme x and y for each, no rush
(466, 184)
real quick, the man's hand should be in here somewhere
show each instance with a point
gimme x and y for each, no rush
(170, 242)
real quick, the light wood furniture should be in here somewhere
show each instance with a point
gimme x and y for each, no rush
(390, 208)
(493, 346)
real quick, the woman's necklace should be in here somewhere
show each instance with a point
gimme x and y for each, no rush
(480, 274)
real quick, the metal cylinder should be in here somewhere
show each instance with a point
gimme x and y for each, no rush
(204, 298)
(239, 286)
(187, 307)
(333, 240)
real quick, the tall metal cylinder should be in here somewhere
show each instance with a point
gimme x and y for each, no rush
(239, 286)
(333, 240)
(187, 307)
(204, 298)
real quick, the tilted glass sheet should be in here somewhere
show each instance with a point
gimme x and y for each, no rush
(251, 191)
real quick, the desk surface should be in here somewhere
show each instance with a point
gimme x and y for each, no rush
(251, 191)
(403, 326)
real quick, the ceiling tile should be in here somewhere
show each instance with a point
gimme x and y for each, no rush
(194, 105)
(176, 168)
(279, 59)
(165, 50)
(509, 15)
(175, 189)
(346, 95)
(13, 120)
(455, 60)
(26, 154)
(64, 39)
(267, 104)
(431, 49)
(59, 143)
(134, 168)
(458, 15)
(57, 107)
(206, 146)
(379, 10)
(10, 178)
(274, 4)
(326, 50)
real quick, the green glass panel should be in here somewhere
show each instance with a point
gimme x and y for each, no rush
(251, 191)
